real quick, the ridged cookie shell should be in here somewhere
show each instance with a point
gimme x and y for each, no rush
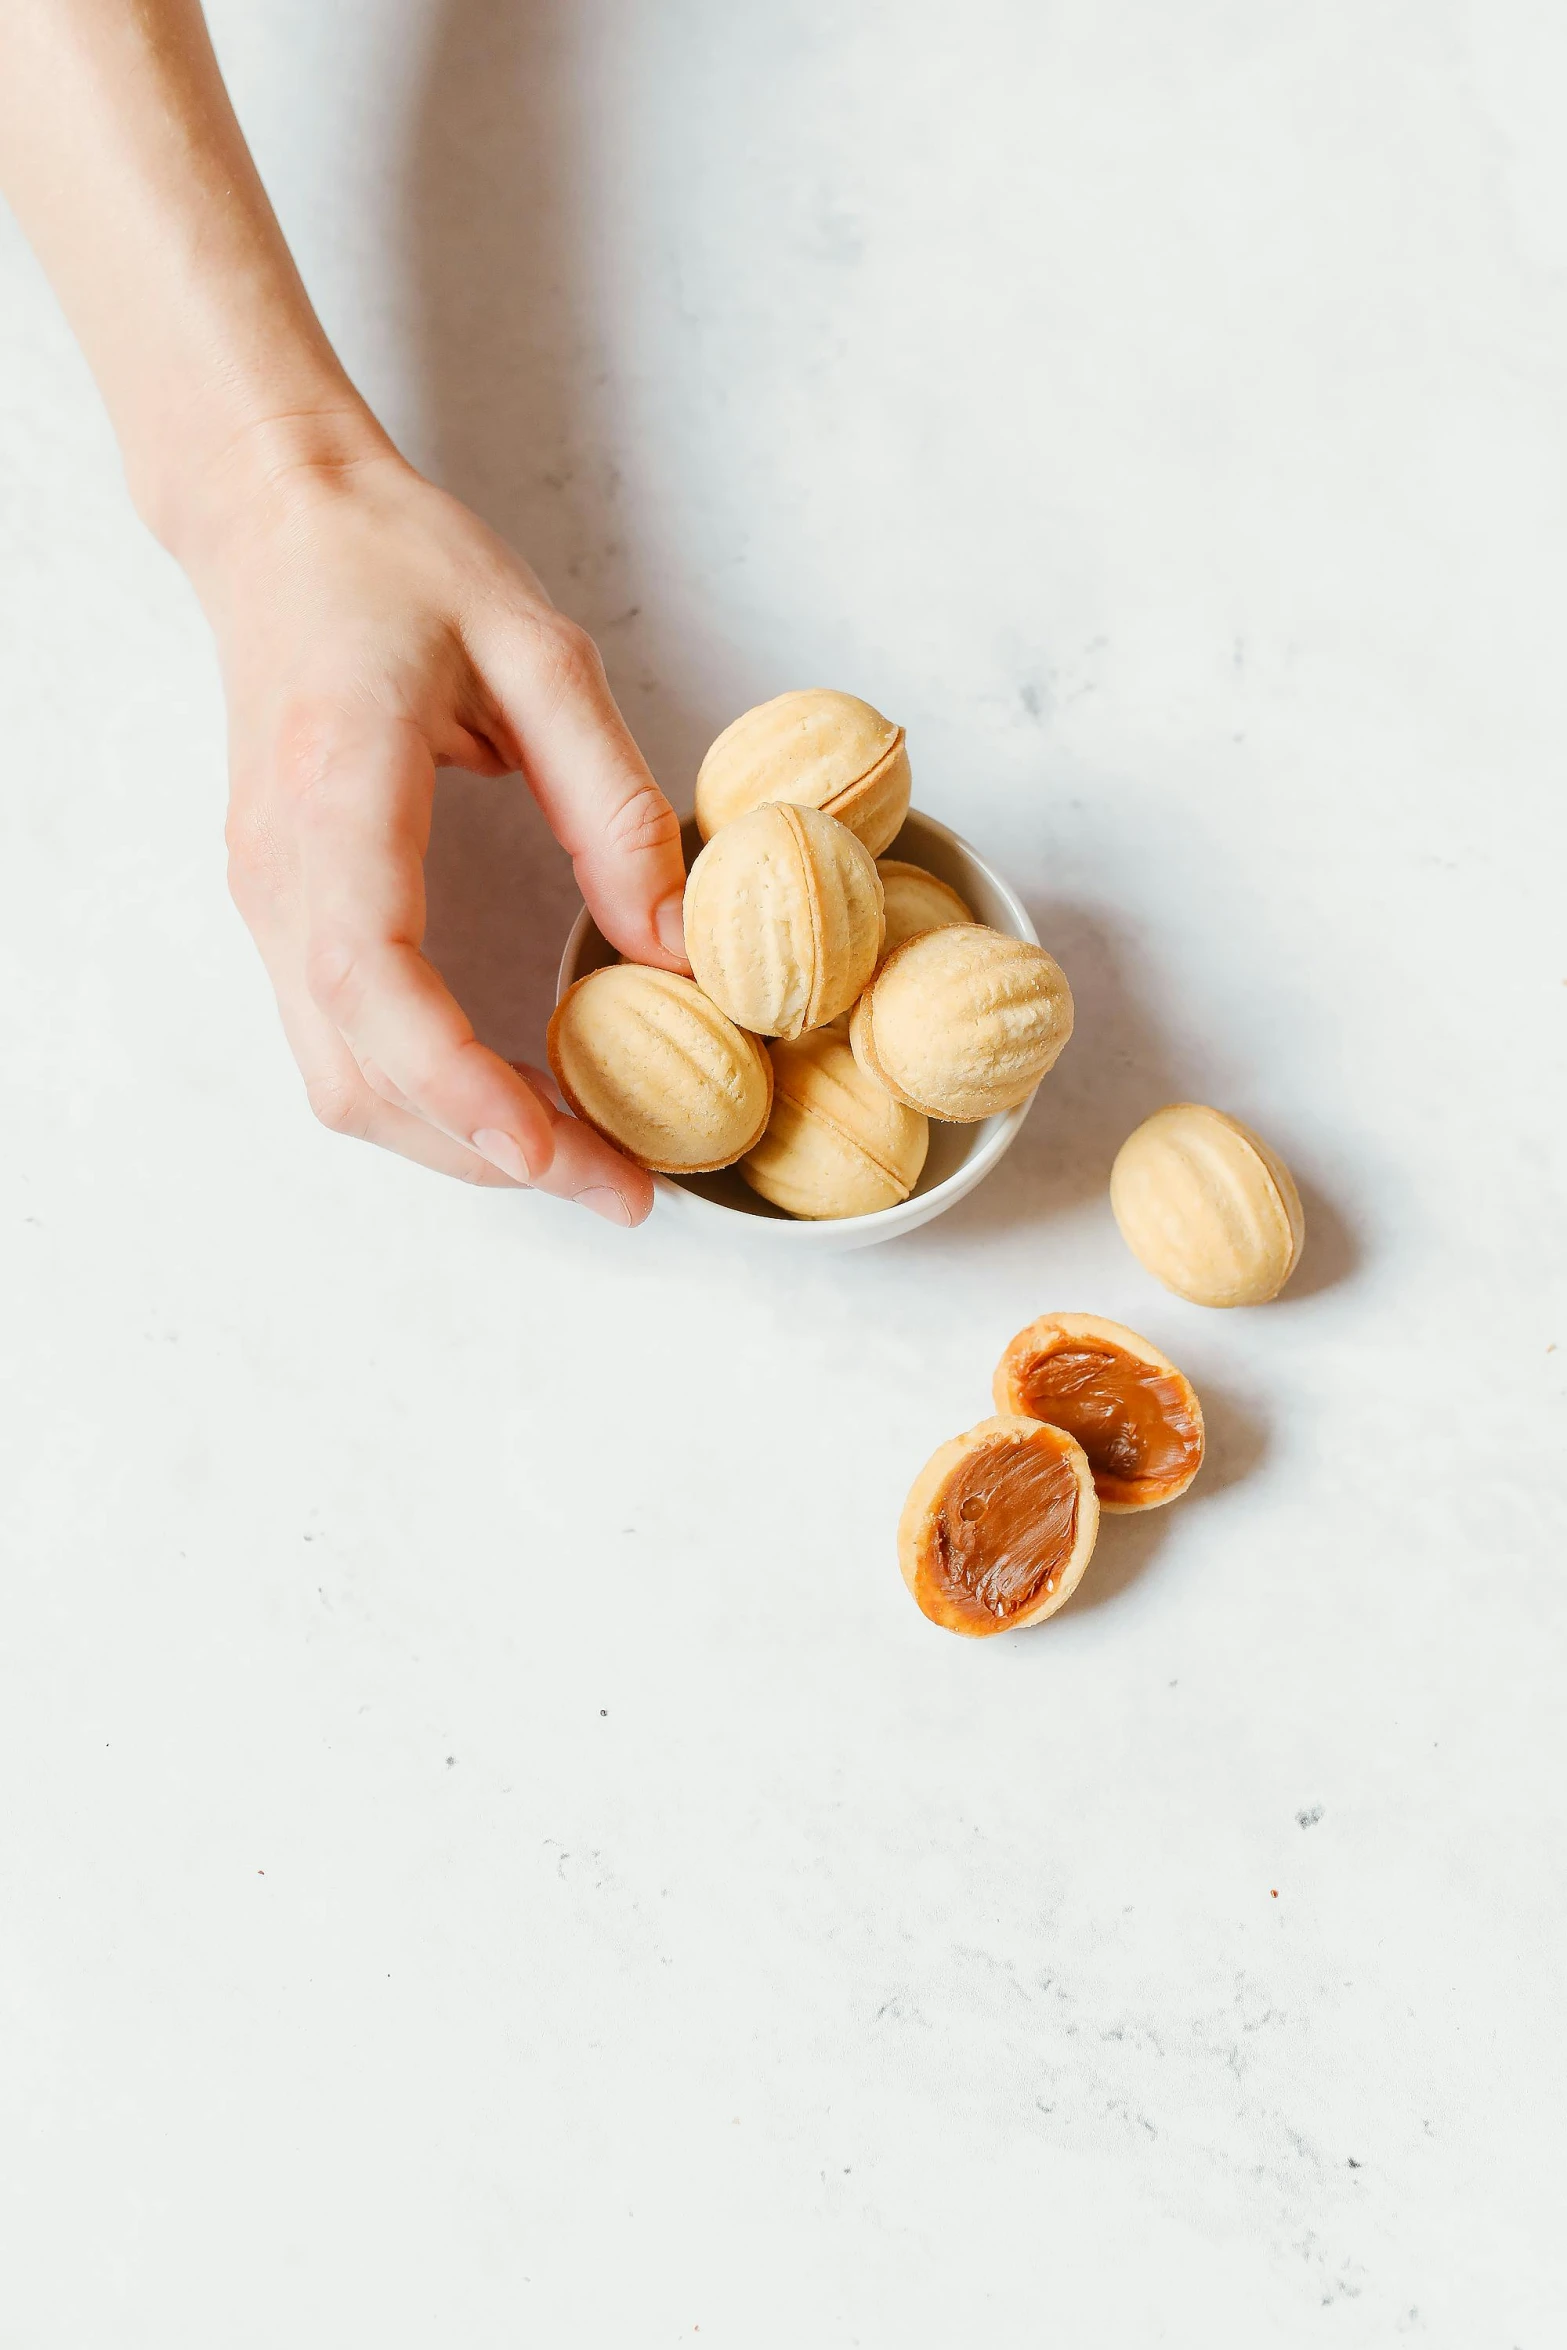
(837, 1144)
(814, 747)
(1207, 1206)
(783, 919)
(914, 902)
(643, 1056)
(963, 1022)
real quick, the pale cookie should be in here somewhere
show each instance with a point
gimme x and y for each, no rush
(836, 1144)
(915, 901)
(660, 1071)
(1209, 1209)
(963, 1022)
(783, 919)
(817, 749)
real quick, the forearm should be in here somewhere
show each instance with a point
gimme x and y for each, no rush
(123, 160)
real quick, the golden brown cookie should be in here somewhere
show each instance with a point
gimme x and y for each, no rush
(998, 1527)
(1134, 1414)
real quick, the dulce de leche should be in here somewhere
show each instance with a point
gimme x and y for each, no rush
(1135, 1415)
(999, 1526)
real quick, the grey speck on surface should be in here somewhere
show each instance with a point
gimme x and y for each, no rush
(1309, 1819)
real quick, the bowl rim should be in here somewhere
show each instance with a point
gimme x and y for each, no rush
(929, 1203)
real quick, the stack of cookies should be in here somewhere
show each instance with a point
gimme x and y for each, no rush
(839, 1003)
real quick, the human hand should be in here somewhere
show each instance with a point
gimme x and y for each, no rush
(371, 628)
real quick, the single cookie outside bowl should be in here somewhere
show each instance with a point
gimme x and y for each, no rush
(998, 1527)
(914, 901)
(645, 1057)
(1207, 1207)
(963, 1022)
(837, 1144)
(816, 748)
(783, 919)
(1134, 1414)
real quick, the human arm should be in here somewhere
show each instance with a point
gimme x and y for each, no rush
(369, 626)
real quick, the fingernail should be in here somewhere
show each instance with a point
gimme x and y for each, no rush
(502, 1152)
(604, 1202)
(670, 923)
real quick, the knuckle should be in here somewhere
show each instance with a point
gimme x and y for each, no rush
(570, 657)
(382, 1086)
(331, 971)
(436, 1076)
(309, 739)
(645, 820)
(340, 1106)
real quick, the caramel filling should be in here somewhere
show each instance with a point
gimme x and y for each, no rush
(1135, 1422)
(1005, 1527)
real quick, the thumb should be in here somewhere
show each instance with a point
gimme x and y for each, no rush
(592, 783)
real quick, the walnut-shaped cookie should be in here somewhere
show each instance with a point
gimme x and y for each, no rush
(837, 1144)
(667, 1077)
(1207, 1206)
(998, 1527)
(1134, 1414)
(915, 901)
(817, 749)
(783, 919)
(963, 1022)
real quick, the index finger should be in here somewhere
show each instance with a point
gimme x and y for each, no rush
(592, 783)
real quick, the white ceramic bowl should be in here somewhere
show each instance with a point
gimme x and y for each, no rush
(723, 1207)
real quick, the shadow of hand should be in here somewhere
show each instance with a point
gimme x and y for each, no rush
(517, 421)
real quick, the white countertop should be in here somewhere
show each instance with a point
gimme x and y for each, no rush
(490, 1851)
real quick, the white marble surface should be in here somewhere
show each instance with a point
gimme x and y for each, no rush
(490, 1853)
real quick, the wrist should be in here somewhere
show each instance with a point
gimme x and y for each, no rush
(202, 500)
